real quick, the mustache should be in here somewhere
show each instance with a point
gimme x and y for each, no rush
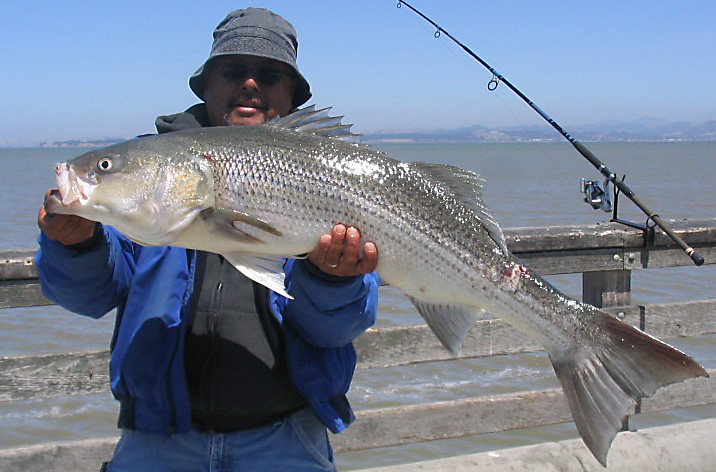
(244, 99)
(247, 99)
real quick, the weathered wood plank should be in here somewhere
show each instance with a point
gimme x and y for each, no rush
(573, 262)
(684, 319)
(47, 375)
(74, 456)
(602, 235)
(669, 448)
(17, 264)
(578, 261)
(693, 392)
(608, 246)
(452, 419)
(410, 344)
(607, 288)
(566, 238)
(19, 293)
(694, 231)
(667, 257)
(470, 416)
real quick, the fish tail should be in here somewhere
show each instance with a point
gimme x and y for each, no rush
(603, 384)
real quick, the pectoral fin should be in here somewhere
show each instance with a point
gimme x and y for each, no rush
(237, 216)
(230, 221)
(264, 270)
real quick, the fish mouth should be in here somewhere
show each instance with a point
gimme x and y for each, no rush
(71, 187)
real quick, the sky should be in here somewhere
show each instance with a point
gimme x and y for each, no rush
(89, 69)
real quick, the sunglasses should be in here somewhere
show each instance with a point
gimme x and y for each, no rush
(266, 75)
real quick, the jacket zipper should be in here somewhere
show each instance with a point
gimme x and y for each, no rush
(191, 267)
(209, 380)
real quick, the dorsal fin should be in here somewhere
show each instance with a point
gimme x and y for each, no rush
(317, 122)
(467, 187)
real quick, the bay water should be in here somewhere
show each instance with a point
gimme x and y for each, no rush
(527, 184)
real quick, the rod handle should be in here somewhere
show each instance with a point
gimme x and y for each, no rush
(695, 256)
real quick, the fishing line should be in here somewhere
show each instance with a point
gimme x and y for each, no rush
(610, 176)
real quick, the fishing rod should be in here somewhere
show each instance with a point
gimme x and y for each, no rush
(581, 148)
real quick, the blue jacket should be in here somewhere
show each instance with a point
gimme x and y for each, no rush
(151, 288)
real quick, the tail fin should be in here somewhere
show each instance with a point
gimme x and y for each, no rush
(602, 384)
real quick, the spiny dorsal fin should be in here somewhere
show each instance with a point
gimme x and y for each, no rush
(317, 122)
(467, 187)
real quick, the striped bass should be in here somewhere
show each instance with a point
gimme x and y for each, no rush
(259, 194)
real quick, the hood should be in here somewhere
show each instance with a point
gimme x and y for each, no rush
(193, 117)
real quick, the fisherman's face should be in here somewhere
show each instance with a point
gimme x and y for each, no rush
(247, 90)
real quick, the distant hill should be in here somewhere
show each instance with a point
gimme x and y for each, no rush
(83, 143)
(645, 129)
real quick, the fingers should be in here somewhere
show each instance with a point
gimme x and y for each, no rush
(342, 240)
(339, 253)
(370, 259)
(65, 229)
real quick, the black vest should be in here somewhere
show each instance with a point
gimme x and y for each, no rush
(235, 358)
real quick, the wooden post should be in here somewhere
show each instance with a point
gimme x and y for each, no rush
(606, 288)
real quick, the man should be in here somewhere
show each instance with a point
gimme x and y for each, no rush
(213, 371)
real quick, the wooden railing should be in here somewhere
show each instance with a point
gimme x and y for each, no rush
(606, 255)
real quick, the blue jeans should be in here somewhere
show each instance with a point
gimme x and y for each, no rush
(297, 443)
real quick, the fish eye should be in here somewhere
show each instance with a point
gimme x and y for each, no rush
(105, 164)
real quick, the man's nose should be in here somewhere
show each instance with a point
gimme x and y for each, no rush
(249, 82)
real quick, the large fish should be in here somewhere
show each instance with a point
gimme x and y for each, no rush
(258, 194)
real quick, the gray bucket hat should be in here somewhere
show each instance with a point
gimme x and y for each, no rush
(255, 32)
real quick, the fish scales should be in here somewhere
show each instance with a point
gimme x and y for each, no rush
(316, 183)
(257, 194)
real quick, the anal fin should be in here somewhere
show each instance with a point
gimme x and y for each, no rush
(450, 323)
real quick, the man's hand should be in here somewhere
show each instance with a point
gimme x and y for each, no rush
(65, 229)
(338, 253)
